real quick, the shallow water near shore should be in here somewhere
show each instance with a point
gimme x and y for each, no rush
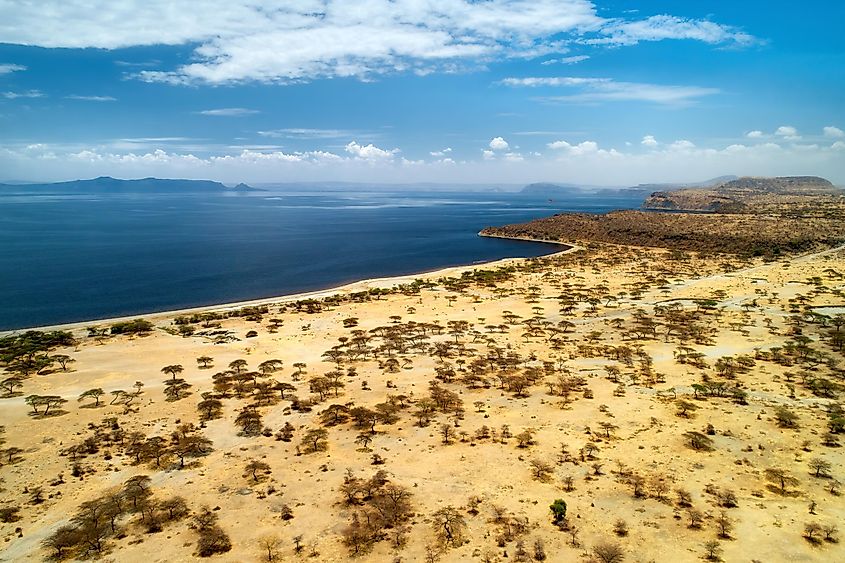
(73, 257)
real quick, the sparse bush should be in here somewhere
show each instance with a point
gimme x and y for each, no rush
(608, 552)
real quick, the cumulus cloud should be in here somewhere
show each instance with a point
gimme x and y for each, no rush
(593, 90)
(498, 144)
(649, 141)
(8, 68)
(586, 162)
(442, 152)
(682, 145)
(756, 134)
(585, 147)
(787, 132)
(834, 132)
(369, 152)
(229, 112)
(294, 40)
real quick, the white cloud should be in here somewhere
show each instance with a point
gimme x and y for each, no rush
(369, 152)
(8, 68)
(498, 144)
(229, 112)
(27, 94)
(835, 132)
(649, 141)
(659, 28)
(566, 60)
(442, 152)
(592, 90)
(756, 134)
(788, 132)
(585, 147)
(583, 162)
(305, 133)
(682, 145)
(295, 40)
(92, 98)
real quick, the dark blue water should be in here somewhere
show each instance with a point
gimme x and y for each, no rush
(73, 257)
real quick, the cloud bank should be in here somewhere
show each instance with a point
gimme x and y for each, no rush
(568, 160)
(296, 40)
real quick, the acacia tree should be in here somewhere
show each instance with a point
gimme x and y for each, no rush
(205, 362)
(781, 477)
(254, 466)
(11, 383)
(269, 366)
(237, 365)
(210, 408)
(724, 524)
(449, 525)
(95, 393)
(698, 441)
(172, 370)
(447, 433)
(49, 401)
(786, 418)
(315, 440)
(250, 421)
(820, 467)
(191, 445)
(685, 408)
(364, 440)
(176, 388)
(270, 546)
(712, 549)
(541, 470)
(63, 360)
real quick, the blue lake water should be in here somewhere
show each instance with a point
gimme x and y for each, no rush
(73, 257)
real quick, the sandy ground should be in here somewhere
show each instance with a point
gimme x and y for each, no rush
(647, 439)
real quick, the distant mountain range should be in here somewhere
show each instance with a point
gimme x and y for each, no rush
(550, 190)
(109, 184)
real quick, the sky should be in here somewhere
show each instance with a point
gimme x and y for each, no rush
(604, 92)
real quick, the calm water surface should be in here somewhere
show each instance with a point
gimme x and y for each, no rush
(72, 257)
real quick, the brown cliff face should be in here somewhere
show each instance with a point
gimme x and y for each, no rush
(747, 195)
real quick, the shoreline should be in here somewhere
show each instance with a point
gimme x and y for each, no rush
(351, 287)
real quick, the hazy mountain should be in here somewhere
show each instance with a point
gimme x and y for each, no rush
(108, 184)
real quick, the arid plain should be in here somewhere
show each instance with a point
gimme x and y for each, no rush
(682, 407)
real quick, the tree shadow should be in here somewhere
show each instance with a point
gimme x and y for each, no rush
(49, 414)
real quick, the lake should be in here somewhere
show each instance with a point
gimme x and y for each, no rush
(69, 257)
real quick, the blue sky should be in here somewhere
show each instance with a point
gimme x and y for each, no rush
(603, 92)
